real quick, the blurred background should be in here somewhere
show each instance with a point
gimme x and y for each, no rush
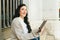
(38, 10)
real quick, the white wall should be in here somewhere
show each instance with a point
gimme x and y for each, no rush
(59, 3)
(44, 9)
(34, 12)
(50, 9)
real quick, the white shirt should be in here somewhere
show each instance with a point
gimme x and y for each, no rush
(24, 26)
(19, 30)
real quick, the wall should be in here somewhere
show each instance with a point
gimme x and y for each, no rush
(59, 3)
(45, 9)
(50, 9)
(34, 12)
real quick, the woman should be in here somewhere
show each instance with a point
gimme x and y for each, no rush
(20, 25)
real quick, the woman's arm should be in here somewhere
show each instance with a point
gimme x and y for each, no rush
(42, 31)
(16, 27)
(42, 26)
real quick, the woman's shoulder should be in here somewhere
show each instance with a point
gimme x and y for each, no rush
(15, 19)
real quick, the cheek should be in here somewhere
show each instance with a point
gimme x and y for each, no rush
(23, 11)
(22, 14)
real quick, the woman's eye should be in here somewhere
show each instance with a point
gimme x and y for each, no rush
(22, 9)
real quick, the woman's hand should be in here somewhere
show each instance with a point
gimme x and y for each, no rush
(39, 30)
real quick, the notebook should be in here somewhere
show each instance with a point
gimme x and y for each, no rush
(42, 25)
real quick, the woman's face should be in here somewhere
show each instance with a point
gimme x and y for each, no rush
(23, 11)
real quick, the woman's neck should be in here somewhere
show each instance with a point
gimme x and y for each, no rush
(22, 17)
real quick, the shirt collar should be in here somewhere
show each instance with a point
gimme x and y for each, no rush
(21, 19)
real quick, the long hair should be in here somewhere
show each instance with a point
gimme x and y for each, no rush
(17, 14)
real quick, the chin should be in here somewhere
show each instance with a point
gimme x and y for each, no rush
(24, 15)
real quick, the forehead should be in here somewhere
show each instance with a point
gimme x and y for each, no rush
(23, 7)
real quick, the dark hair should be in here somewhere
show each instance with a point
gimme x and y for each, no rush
(25, 18)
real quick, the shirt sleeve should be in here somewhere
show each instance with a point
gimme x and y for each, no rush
(18, 31)
(34, 32)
